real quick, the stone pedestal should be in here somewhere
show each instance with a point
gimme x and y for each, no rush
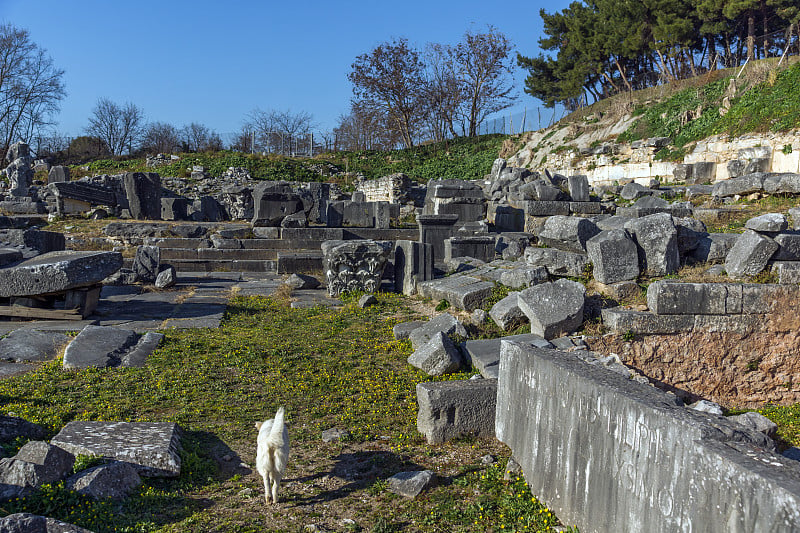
(413, 262)
(355, 265)
(434, 229)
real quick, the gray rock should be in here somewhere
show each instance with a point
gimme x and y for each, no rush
(55, 272)
(412, 484)
(750, 254)
(789, 247)
(452, 409)
(463, 292)
(151, 447)
(714, 247)
(484, 354)
(739, 186)
(295, 220)
(143, 190)
(781, 183)
(302, 282)
(633, 191)
(657, 239)
(794, 214)
(9, 256)
(651, 202)
(30, 523)
(355, 265)
(35, 464)
(667, 297)
(770, 222)
(544, 423)
(557, 262)
(166, 278)
(146, 263)
(367, 300)
(690, 232)
(147, 344)
(12, 427)
(403, 330)
(553, 309)
(520, 278)
(437, 357)
(507, 314)
(704, 406)
(578, 188)
(31, 345)
(413, 262)
(335, 434)
(115, 480)
(568, 233)
(756, 422)
(445, 323)
(614, 256)
(99, 346)
(479, 316)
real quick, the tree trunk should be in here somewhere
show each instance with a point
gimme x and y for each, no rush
(766, 27)
(622, 73)
(751, 35)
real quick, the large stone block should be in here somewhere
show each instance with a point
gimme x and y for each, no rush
(143, 190)
(34, 239)
(657, 240)
(413, 262)
(507, 314)
(553, 308)
(609, 454)
(35, 464)
(272, 202)
(463, 292)
(355, 265)
(482, 248)
(739, 186)
(437, 357)
(665, 297)
(453, 409)
(614, 256)
(444, 323)
(578, 188)
(434, 229)
(484, 354)
(750, 254)
(714, 247)
(557, 262)
(151, 447)
(57, 272)
(568, 233)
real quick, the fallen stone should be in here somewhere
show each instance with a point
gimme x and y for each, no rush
(507, 314)
(439, 356)
(788, 247)
(367, 300)
(412, 484)
(12, 427)
(523, 277)
(445, 323)
(578, 188)
(770, 222)
(151, 447)
(35, 464)
(479, 316)
(146, 345)
(614, 256)
(166, 278)
(9, 256)
(146, 263)
(484, 354)
(557, 262)
(335, 434)
(756, 422)
(302, 282)
(143, 190)
(750, 254)
(30, 523)
(545, 424)
(623, 290)
(355, 265)
(667, 297)
(99, 346)
(690, 232)
(115, 480)
(657, 240)
(739, 186)
(633, 191)
(568, 233)
(788, 273)
(403, 330)
(32, 345)
(714, 247)
(55, 272)
(553, 309)
(463, 292)
(452, 409)
(704, 406)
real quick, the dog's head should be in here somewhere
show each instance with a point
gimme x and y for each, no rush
(258, 425)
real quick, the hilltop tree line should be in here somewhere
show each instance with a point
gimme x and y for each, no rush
(598, 48)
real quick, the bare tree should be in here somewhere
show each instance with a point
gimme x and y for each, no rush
(30, 87)
(365, 128)
(275, 131)
(119, 127)
(48, 144)
(444, 92)
(391, 78)
(161, 137)
(484, 67)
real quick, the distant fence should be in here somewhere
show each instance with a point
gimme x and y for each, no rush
(529, 119)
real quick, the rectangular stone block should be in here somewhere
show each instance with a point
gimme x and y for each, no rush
(608, 454)
(586, 208)
(413, 263)
(546, 208)
(675, 298)
(478, 247)
(451, 409)
(463, 292)
(56, 272)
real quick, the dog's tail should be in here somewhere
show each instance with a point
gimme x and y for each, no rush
(275, 436)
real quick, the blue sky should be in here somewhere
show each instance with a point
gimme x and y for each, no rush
(214, 62)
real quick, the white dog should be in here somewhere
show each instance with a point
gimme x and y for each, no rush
(272, 453)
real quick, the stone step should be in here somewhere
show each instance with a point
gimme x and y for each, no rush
(251, 265)
(216, 254)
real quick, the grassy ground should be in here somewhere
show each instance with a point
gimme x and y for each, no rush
(330, 368)
(460, 158)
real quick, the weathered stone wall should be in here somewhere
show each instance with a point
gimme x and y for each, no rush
(728, 368)
(608, 454)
